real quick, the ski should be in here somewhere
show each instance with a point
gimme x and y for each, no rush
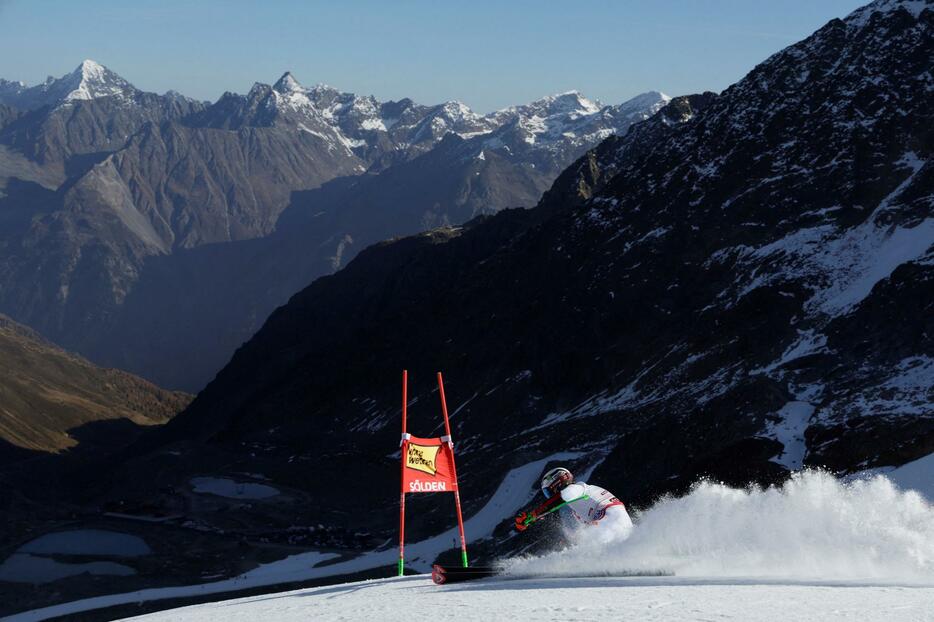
(455, 574)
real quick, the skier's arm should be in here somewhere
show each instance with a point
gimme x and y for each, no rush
(525, 518)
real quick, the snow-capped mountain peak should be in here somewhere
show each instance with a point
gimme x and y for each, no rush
(572, 101)
(559, 127)
(90, 80)
(287, 84)
(458, 111)
(571, 104)
(649, 98)
(638, 108)
(324, 89)
(91, 70)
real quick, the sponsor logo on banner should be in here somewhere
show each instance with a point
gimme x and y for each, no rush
(420, 486)
(422, 458)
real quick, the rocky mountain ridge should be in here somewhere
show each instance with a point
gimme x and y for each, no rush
(384, 133)
(102, 182)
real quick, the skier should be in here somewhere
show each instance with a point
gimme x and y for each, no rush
(589, 504)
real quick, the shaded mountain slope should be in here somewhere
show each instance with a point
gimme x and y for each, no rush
(190, 310)
(46, 392)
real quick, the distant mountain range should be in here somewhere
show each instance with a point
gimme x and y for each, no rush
(120, 209)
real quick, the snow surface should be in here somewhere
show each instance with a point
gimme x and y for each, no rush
(917, 475)
(232, 489)
(630, 599)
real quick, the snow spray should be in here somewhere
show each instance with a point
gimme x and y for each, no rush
(812, 527)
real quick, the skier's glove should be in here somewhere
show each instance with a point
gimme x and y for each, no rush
(520, 521)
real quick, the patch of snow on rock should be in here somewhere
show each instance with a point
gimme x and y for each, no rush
(789, 431)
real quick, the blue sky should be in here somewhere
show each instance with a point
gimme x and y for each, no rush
(486, 54)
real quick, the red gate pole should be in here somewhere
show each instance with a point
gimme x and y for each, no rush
(457, 494)
(405, 386)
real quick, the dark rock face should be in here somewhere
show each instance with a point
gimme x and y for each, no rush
(740, 286)
(107, 193)
(590, 173)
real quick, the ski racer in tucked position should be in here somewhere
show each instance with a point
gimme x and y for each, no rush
(589, 504)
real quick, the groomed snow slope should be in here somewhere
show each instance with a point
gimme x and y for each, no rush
(630, 599)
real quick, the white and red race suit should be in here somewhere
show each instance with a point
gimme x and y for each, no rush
(595, 505)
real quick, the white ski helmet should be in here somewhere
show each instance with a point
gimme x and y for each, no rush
(555, 480)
